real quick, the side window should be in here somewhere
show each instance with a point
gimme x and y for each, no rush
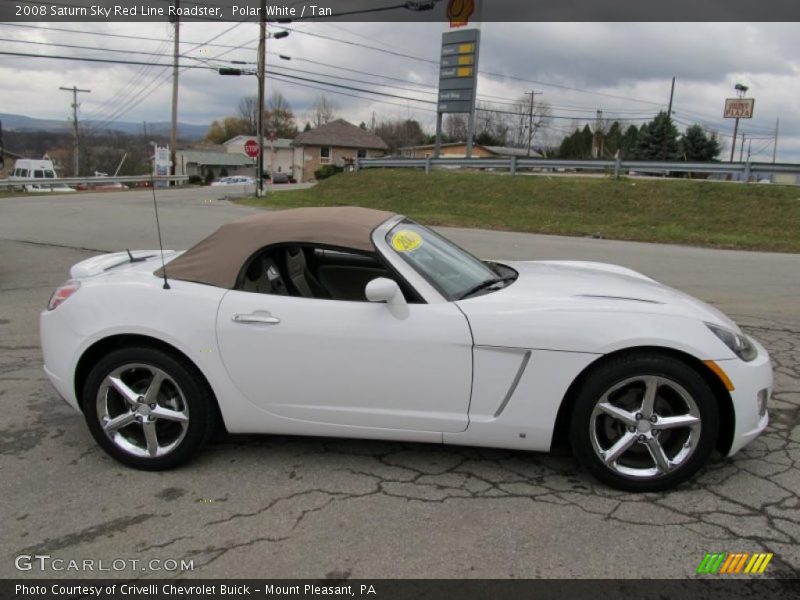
(38, 174)
(362, 153)
(314, 272)
(325, 154)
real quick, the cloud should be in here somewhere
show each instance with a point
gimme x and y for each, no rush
(624, 69)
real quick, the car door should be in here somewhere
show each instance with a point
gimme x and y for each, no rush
(349, 363)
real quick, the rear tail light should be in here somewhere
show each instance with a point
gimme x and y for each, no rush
(62, 293)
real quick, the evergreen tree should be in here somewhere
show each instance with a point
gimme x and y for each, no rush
(629, 143)
(586, 141)
(695, 145)
(612, 141)
(658, 140)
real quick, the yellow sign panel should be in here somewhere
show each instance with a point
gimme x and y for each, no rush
(406, 241)
(464, 72)
(466, 59)
(466, 48)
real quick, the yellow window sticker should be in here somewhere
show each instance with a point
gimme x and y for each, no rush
(406, 241)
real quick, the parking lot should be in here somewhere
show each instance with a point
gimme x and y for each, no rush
(273, 506)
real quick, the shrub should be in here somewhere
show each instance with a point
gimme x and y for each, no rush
(327, 171)
(195, 179)
(209, 176)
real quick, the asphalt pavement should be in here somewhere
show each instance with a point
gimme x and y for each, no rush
(274, 506)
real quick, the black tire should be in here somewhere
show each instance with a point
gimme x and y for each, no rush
(590, 423)
(189, 393)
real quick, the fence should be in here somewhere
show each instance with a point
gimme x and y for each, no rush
(615, 167)
(18, 183)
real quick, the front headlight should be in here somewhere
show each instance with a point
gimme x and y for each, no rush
(739, 343)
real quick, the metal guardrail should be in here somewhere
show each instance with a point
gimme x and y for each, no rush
(69, 181)
(615, 167)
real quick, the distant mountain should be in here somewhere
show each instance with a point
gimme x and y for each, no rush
(186, 131)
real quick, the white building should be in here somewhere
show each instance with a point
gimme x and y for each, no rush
(278, 153)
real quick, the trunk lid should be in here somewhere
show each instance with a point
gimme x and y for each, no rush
(120, 261)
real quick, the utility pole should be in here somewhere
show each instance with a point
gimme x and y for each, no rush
(741, 150)
(669, 121)
(775, 147)
(173, 135)
(262, 59)
(671, 96)
(75, 143)
(532, 93)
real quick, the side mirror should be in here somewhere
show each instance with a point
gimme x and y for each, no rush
(387, 290)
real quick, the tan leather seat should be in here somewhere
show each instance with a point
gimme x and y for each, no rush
(264, 277)
(301, 276)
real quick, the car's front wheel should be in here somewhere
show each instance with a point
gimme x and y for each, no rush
(148, 409)
(644, 423)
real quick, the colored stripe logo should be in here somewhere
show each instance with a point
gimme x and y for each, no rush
(727, 563)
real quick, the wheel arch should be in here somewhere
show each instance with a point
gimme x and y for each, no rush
(723, 397)
(114, 342)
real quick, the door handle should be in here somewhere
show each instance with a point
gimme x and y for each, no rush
(263, 319)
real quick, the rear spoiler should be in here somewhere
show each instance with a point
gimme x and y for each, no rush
(106, 262)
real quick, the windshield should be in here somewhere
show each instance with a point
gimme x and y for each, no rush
(454, 272)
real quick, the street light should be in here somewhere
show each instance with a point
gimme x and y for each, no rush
(260, 75)
(741, 90)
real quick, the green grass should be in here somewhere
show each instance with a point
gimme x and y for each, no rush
(698, 213)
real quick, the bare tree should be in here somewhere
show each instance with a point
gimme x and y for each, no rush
(324, 110)
(491, 126)
(527, 120)
(279, 118)
(455, 127)
(400, 133)
(248, 112)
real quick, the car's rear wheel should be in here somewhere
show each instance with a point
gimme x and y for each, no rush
(644, 423)
(148, 409)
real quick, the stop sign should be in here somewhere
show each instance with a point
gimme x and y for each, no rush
(251, 148)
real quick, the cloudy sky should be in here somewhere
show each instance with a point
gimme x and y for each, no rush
(623, 69)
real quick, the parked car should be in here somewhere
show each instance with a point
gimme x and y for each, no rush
(239, 180)
(279, 177)
(360, 323)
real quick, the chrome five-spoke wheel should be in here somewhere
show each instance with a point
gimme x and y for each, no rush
(148, 408)
(644, 422)
(142, 410)
(645, 426)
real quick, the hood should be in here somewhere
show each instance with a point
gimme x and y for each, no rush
(595, 287)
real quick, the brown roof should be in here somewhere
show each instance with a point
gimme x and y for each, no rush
(340, 133)
(219, 258)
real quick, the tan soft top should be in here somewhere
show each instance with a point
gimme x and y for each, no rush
(219, 258)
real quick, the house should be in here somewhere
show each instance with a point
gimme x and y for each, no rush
(335, 143)
(214, 159)
(278, 153)
(8, 163)
(459, 150)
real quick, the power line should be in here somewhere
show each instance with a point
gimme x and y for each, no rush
(154, 84)
(100, 60)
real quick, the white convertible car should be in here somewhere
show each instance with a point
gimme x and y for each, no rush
(360, 323)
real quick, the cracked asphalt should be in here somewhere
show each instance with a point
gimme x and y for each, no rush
(273, 506)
